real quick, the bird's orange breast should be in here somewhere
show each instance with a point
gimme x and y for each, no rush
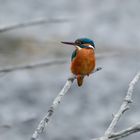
(84, 62)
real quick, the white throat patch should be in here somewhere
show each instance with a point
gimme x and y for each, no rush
(78, 47)
(90, 46)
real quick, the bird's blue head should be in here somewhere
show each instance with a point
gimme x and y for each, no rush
(85, 43)
(82, 43)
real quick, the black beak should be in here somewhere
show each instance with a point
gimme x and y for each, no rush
(68, 43)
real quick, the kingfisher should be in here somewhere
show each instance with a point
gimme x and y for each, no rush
(83, 58)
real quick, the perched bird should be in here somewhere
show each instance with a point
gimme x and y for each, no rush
(83, 58)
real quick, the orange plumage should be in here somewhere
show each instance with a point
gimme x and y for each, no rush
(83, 64)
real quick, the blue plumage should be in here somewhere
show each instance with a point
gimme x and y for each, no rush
(82, 41)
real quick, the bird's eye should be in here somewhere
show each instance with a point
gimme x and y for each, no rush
(78, 42)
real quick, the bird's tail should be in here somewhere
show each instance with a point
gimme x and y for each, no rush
(80, 80)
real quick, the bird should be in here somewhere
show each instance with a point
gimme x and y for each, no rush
(83, 58)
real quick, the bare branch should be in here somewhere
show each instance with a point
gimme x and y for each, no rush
(125, 105)
(97, 69)
(126, 132)
(31, 23)
(34, 65)
(44, 122)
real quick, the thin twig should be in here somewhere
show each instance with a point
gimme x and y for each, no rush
(36, 65)
(31, 23)
(44, 122)
(126, 132)
(33, 65)
(39, 64)
(125, 105)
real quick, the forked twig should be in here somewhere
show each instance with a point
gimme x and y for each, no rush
(109, 134)
(124, 133)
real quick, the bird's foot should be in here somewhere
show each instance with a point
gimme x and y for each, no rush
(72, 77)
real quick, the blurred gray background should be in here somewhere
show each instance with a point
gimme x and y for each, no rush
(85, 112)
